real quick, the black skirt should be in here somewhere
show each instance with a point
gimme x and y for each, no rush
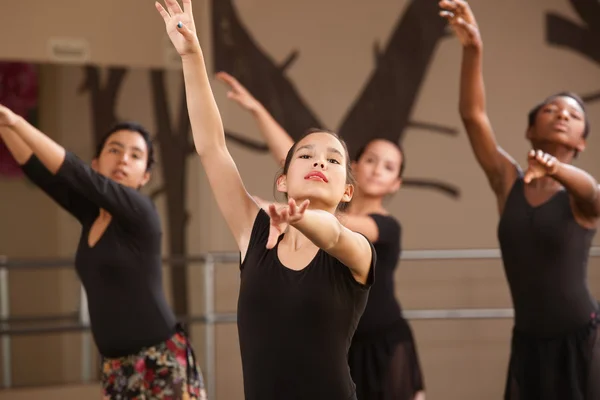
(559, 368)
(384, 364)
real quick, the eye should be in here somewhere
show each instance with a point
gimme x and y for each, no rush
(333, 160)
(136, 156)
(305, 156)
(575, 116)
(113, 150)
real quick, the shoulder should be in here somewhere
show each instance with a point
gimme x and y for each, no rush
(388, 226)
(260, 232)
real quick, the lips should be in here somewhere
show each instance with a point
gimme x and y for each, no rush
(560, 127)
(119, 174)
(316, 175)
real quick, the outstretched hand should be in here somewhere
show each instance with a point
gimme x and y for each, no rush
(540, 165)
(461, 19)
(7, 117)
(238, 93)
(180, 26)
(282, 217)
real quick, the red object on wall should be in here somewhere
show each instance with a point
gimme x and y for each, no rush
(18, 91)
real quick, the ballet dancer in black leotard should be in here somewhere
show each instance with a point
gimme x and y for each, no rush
(145, 352)
(548, 217)
(383, 357)
(304, 277)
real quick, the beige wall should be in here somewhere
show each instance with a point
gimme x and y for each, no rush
(335, 60)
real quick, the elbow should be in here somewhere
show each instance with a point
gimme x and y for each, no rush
(470, 115)
(334, 239)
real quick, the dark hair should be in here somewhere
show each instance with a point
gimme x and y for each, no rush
(362, 150)
(134, 127)
(534, 111)
(288, 159)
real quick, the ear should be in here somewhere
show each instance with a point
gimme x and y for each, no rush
(396, 186)
(348, 193)
(282, 184)
(529, 133)
(95, 164)
(581, 145)
(145, 178)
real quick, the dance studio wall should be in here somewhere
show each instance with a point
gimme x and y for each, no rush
(307, 59)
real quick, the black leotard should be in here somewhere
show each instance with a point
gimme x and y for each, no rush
(122, 273)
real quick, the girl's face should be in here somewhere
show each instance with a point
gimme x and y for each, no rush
(377, 171)
(318, 171)
(124, 159)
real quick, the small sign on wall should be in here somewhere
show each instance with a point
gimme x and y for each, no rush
(69, 50)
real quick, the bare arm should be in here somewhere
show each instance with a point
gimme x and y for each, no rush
(357, 223)
(584, 191)
(25, 139)
(326, 231)
(500, 169)
(278, 140)
(17, 147)
(582, 187)
(349, 247)
(363, 224)
(236, 205)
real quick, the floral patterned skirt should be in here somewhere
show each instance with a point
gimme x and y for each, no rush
(166, 371)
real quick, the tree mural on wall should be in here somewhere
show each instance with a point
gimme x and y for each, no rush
(383, 108)
(103, 97)
(174, 146)
(583, 39)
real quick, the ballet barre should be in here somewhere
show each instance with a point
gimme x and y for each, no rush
(79, 322)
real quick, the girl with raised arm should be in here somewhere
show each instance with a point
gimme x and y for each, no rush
(304, 289)
(145, 352)
(548, 217)
(383, 357)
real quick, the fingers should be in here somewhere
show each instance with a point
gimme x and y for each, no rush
(448, 5)
(225, 78)
(161, 10)
(173, 7)
(447, 14)
(185, 31)
(303, 206)
(187, 6)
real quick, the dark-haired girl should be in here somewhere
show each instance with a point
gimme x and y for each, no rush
(548, 217)
(145, 352)
(305, 278)
(383, 356)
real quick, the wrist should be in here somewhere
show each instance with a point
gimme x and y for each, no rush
(16, 122)
(193, 56)
(257, 109)
(556, 168)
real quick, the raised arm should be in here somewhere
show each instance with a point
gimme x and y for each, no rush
(41, 177)
(326, 232)
(278, 140)
(236, 205)
(582, 187)
(70, 182)
(500, 169)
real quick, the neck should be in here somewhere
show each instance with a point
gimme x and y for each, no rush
(295, 239)
(362, 204)
(564, 154)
